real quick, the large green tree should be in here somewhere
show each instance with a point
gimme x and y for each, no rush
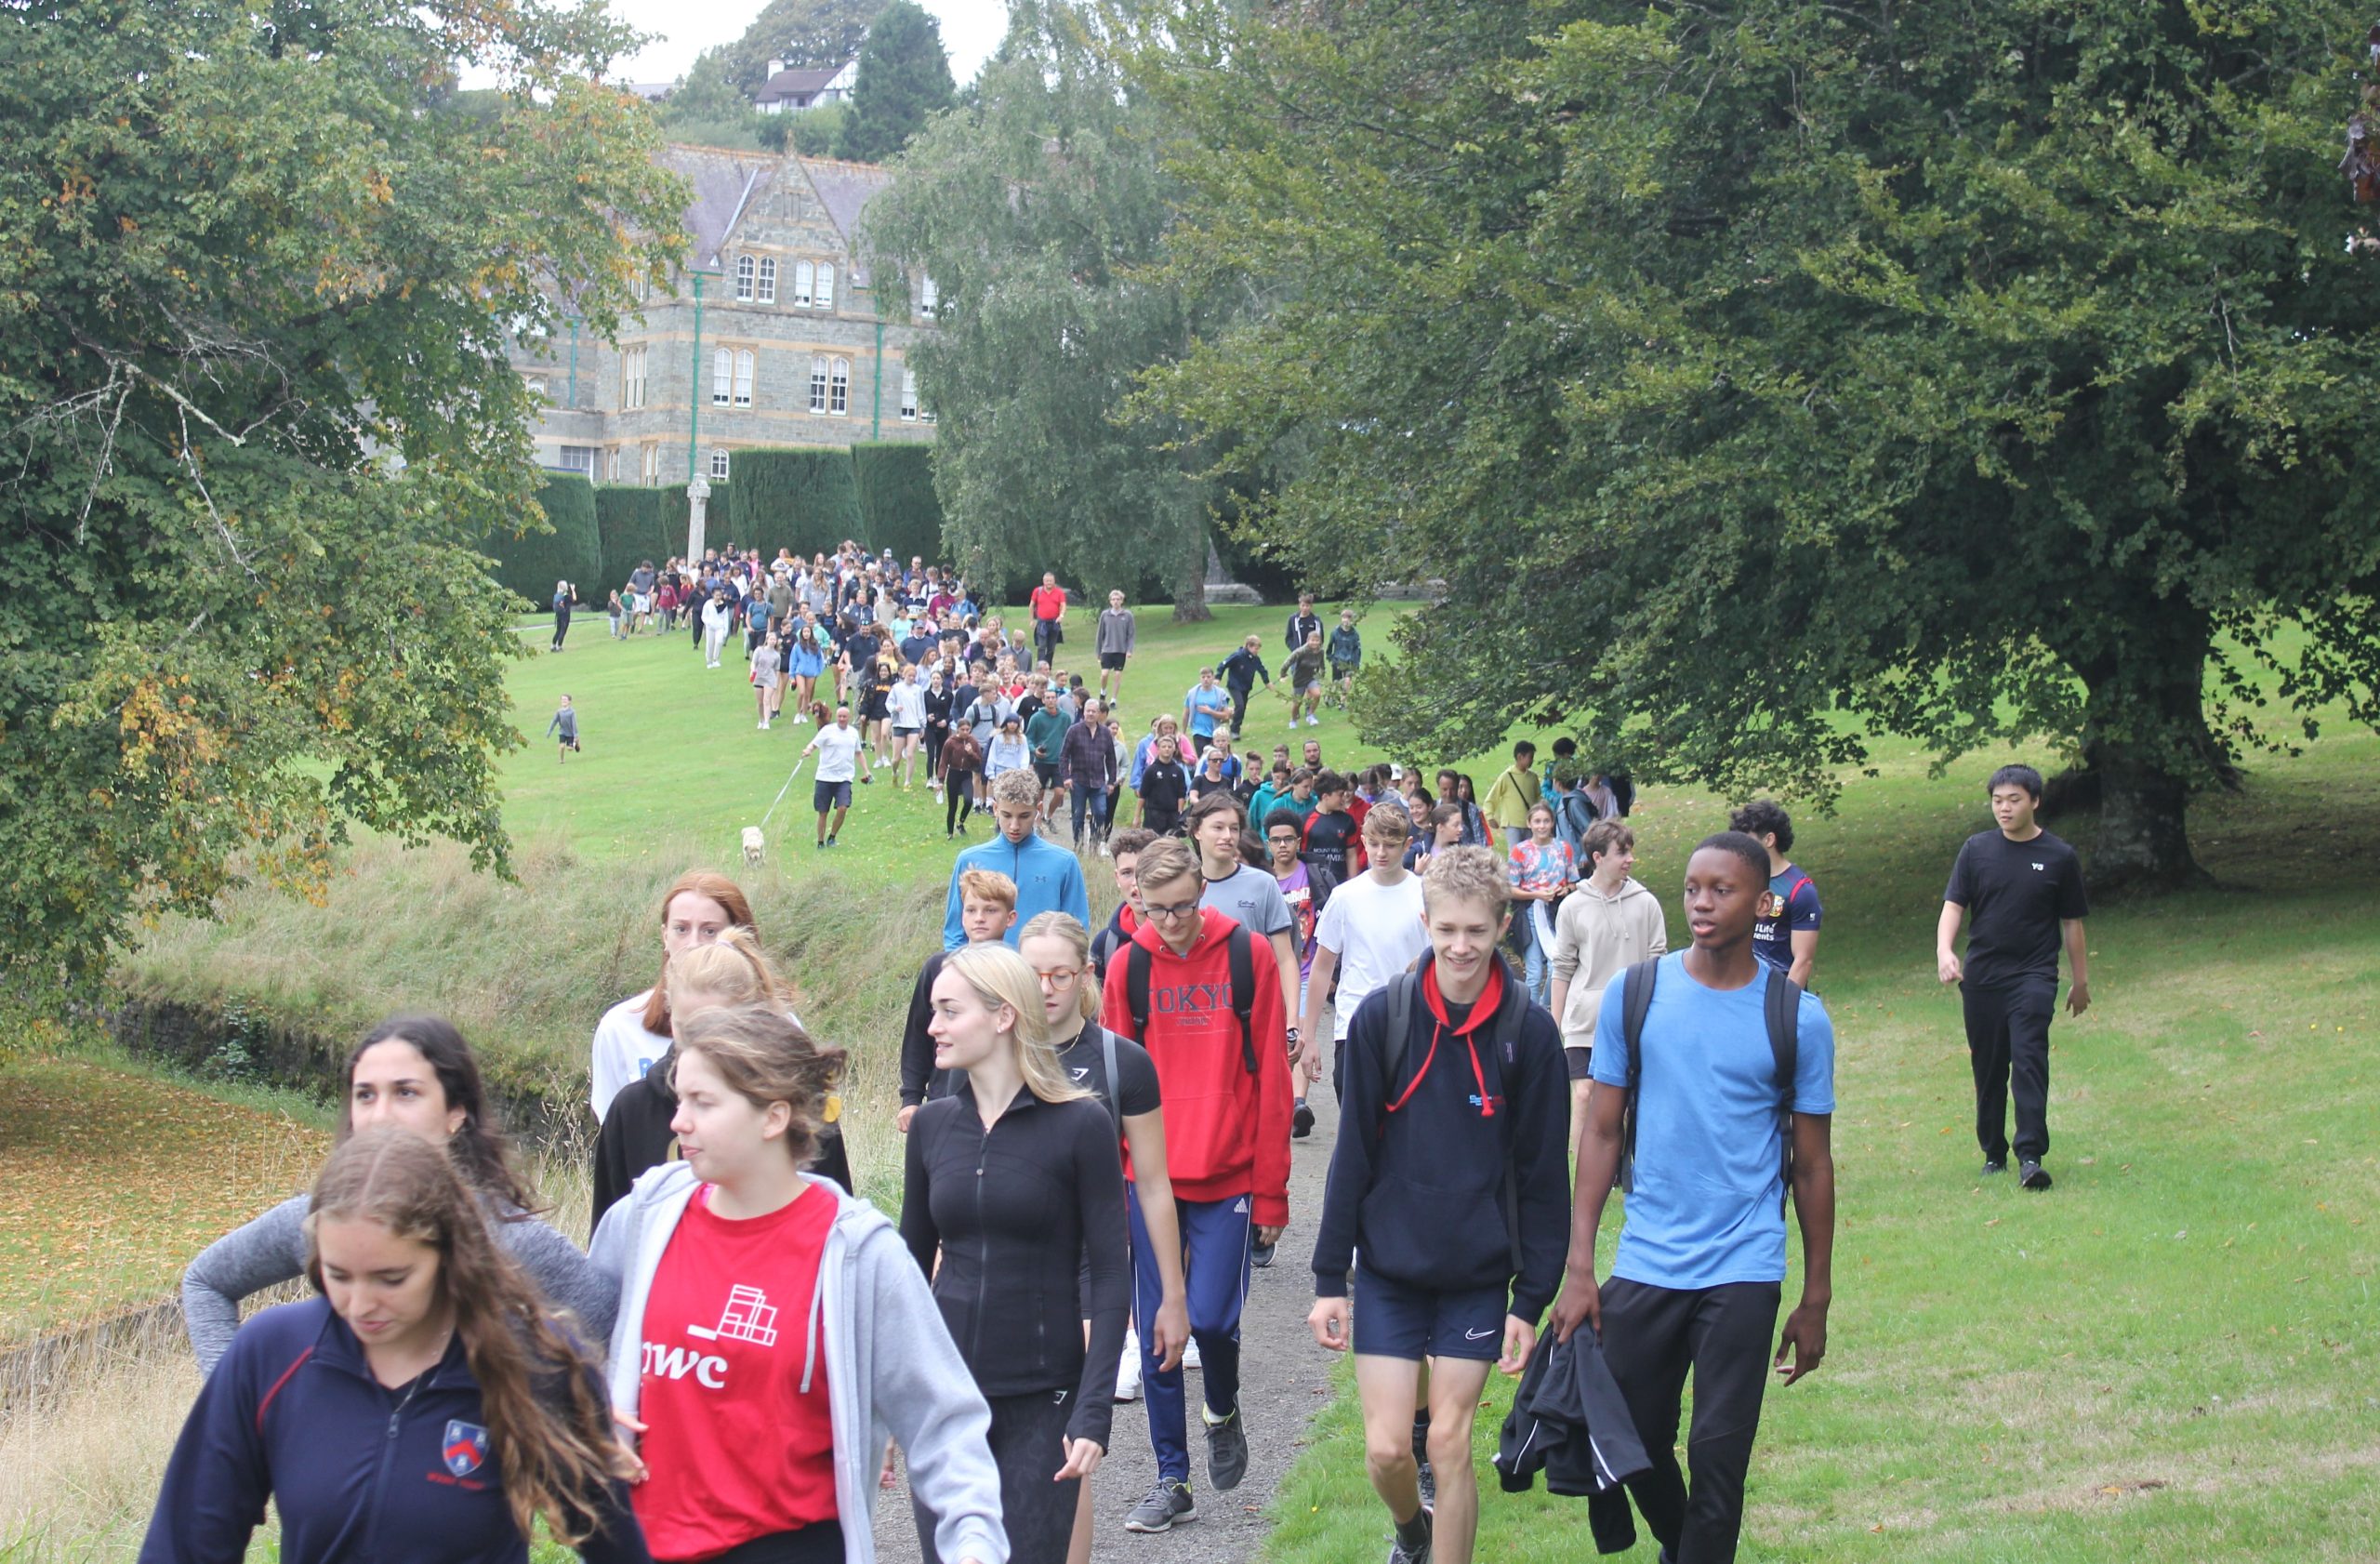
(904, 80)
(1031, 210)
(256, 282)
(1759, 375)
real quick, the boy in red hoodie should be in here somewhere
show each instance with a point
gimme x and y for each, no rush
(1227, 1149)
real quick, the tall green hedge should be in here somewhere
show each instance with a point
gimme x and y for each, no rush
(898, 508)
(801, 498)
(629, 521)
(529, 561)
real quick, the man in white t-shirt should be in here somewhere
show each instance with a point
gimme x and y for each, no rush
(1371, 929)
(838, 755)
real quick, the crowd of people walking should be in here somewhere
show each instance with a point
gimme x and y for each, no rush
(1097, 1120)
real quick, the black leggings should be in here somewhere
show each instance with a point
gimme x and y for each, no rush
(959, 798)
(1029, 1446)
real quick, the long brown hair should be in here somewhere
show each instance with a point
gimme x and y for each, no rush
(555, 1456)
(702, 883)
(482, 1153)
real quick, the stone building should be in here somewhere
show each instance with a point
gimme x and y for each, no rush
(772, 337)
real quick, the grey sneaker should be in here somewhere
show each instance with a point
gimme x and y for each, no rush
(1166, 1503)
(1227, 1449)
(1399, 1554)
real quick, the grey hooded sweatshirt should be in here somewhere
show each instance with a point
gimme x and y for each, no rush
(892, 1368)
(1596, 938)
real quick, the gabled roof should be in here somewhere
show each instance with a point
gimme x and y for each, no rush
(725, 185)
(845, 189)
(803, 81)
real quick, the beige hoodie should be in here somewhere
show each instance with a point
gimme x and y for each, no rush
(1596, 938)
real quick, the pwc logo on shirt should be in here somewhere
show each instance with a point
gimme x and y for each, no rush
(748, 1316)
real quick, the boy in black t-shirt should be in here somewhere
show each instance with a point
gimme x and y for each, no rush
(1333, 851)
(2024, 888)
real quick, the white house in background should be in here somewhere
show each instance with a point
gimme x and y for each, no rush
(808, 88)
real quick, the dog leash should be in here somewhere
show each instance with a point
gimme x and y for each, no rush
(782, 791)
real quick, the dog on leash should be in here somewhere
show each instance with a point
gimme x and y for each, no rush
(755, 849)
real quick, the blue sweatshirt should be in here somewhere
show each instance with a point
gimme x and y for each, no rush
(354, 1470)
(1422, 1197)
(1049, 879)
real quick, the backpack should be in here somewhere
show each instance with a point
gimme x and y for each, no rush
(1504, 1037)
(1107, 1058)
(1242, 950)
(1780, 1006)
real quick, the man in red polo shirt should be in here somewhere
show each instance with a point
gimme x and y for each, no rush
(1048, 616)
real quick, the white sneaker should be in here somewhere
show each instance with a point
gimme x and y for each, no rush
(1190, 1355)
(762, 723)
(1293, 724)
(1312, 720)
(1128, 1372)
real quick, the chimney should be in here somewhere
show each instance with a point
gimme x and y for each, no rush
(775, 66)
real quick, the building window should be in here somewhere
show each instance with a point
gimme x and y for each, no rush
(744, 279)
(826, 295)
(804, 276)
(611, 466)
(744, 378)
(840, 400)
(723, 371)
(908, 396)
(631, 377)
(641, 288)
(819, 383)
(652, 464)
(768, 280)
(536, 384)
(929, 296)
(718, 464)
(578, 458)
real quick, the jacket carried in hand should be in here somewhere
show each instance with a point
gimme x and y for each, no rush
(1570, 1420)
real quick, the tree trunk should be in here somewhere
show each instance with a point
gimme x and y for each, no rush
(2147, 745)
(1190, 577)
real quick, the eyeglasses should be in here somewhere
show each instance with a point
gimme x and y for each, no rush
(1059, 978)
(1179, 910)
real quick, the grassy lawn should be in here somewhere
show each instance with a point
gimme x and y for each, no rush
(2167, 1358)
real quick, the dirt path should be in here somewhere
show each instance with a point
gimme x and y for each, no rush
(1285, 1379)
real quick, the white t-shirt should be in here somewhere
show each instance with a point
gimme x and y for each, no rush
(1377, 930)
(624, 1050)
(838, 749)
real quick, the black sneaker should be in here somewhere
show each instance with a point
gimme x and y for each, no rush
(1227, 1449)
(1261, 1254)
(1994, 1165)
(2033, 1176)
(1301, 1121)
(1399, 1554)
(1166, 1505)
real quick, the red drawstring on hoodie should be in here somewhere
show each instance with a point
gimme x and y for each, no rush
(1491, 998)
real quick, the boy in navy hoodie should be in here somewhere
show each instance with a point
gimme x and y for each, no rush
(1462, 1136)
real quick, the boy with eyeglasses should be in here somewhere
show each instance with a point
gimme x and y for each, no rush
(1192, 989)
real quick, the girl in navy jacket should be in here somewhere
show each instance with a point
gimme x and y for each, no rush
(425, 1408)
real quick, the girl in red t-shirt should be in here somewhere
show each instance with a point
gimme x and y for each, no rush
(773, 1330)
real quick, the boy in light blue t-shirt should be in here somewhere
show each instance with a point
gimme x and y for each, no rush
(1699, 1275)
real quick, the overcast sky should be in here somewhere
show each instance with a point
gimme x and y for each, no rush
(970, 30)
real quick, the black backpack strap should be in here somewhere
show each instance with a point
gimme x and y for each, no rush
(1115, 1087)
(1136, 989)
(1400, 1026)
(1635, 1002)
(1781, 1007)
(1507, 1044)
(1241, 946)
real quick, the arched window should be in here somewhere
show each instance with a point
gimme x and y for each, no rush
(841, 401)
(826, 295)
(819, 383)
(722, 374)
(768, 280)
(802, 272)
(929, 295)
(718, 463)
(744, 378)
(908, 396)
(743, 267)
